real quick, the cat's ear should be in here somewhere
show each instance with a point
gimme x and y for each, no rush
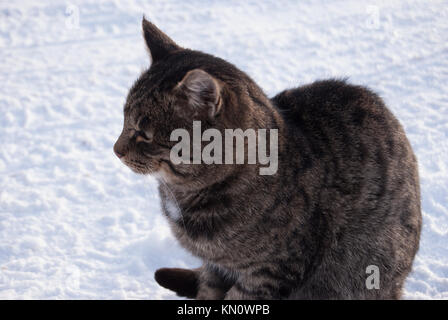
(202, 92)
(159, 44)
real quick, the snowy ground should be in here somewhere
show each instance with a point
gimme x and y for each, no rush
(76, 223)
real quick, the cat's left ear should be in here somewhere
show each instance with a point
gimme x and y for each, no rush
(202, 91)
(158, 43)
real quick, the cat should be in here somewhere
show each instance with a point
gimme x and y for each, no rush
(345, 196)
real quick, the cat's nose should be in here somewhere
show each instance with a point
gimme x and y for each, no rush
(120, 154)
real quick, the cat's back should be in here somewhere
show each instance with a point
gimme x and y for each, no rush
(338, 119)
(363, 176)
(334, 105)
(349, 133)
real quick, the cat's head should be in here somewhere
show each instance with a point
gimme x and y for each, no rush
(181, 86)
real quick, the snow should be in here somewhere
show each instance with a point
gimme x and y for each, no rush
(75, 223)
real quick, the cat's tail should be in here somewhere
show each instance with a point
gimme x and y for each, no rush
(182, 281)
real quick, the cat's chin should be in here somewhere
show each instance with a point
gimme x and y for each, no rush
(157, 173)
(142, 171)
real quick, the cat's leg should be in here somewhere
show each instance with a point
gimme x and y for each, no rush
(254, 289)
(213, 285)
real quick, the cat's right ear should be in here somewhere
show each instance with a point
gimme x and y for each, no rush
(158, 43)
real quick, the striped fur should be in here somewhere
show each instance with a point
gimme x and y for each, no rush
(345, 196)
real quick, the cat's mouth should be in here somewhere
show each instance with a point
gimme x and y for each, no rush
(140, 167)
(160, 168)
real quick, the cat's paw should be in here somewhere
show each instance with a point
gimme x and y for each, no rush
(184, 282)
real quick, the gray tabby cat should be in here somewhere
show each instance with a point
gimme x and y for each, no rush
(345, 197)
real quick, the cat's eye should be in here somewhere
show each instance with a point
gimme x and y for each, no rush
(142, 136)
